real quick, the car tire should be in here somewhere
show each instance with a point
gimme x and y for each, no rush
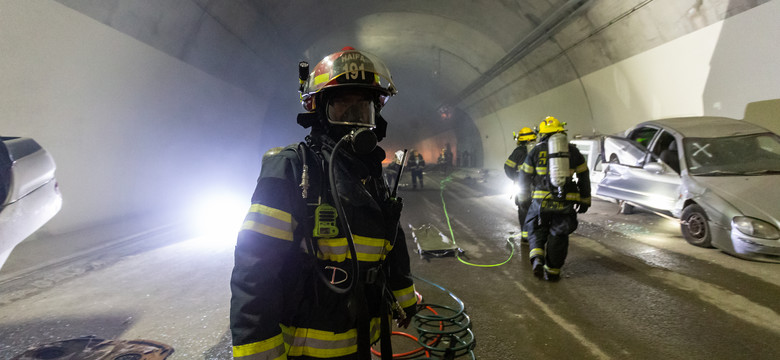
(695, 227)
(625, 208)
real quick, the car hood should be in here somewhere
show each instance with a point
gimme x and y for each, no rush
(754, 196)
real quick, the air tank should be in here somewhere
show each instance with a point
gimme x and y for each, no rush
(558, 160)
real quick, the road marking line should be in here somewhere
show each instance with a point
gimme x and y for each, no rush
(732, 303)
(567, 326)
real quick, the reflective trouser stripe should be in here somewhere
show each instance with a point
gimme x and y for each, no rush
(536, 252)
(269, 349)
(325, 344)
(405, 297)
(304, 342)
(553, 271)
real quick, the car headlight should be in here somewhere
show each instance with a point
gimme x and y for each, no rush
(756, 228)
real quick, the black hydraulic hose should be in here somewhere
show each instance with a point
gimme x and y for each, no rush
(340, 209)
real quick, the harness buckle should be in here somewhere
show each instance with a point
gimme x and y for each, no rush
(371, 275)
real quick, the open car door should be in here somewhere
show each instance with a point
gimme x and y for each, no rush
(643, 180)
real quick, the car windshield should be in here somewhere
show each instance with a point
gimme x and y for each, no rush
(757, 154)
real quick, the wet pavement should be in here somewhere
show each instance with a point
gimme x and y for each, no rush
(632, 288)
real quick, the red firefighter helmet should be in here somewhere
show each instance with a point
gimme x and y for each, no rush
(346, 70)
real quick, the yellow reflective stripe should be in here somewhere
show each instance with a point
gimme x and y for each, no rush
(553, 271)
(273, 348)
(536, 252)
(405, 297)
(585, 200)
(367, 248)
(524, 234)
(267, 230)
(510, 163)
(269, 211)
(269, 221)
(324, 344)
(528, 168)
(319, 79)
(581, 168)
(541, 170)
(541, 194)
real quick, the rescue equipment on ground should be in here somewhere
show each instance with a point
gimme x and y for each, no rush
(442, 185)
(91, 347)
(431, 242)
(443, 332)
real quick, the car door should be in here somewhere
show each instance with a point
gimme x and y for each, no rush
(645, 181)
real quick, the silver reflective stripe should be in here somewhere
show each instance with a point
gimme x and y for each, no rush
(324, 344)
(269, 221)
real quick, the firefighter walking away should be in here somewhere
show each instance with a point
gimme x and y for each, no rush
(513, 166)
(556, 198)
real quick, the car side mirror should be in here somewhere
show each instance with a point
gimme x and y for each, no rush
(655, 167)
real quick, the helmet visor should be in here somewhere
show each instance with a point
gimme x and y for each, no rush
(351, 108)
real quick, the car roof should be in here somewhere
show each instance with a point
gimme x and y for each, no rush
(708, 126)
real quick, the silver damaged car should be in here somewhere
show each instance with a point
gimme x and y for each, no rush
(718, 176)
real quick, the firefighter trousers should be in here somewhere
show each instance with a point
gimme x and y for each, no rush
(549, 231)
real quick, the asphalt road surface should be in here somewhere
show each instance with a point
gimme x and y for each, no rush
(632, 288)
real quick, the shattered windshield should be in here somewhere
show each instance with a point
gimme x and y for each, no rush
(757, 154)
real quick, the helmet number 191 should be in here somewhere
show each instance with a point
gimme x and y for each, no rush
(353, 71)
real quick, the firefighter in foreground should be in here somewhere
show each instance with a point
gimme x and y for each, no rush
(513, 166)
(546, 179)
(321, 261)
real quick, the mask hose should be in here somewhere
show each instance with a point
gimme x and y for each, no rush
(344, 223)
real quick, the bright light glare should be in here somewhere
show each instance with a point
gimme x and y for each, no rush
(511, 189)
(218, 218)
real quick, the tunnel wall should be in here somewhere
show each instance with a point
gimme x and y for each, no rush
(134, 132)
(717, 70)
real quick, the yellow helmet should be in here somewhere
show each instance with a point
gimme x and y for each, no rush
(526, 134)
(551, 125)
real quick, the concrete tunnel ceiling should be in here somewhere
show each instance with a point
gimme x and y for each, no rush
(474, 56)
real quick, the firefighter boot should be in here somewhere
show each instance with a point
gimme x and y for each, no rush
(552, 274)
(537, 265)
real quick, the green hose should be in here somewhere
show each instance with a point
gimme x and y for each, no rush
(442, 185)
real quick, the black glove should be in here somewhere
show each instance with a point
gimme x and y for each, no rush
(409, 312)
(581, 208)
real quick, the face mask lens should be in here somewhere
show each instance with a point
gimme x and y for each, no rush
(351, 109)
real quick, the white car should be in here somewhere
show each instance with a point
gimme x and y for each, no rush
(28, 190)
(717, 175)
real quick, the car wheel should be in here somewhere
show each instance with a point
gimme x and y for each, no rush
(625, 208)
(694, 226)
